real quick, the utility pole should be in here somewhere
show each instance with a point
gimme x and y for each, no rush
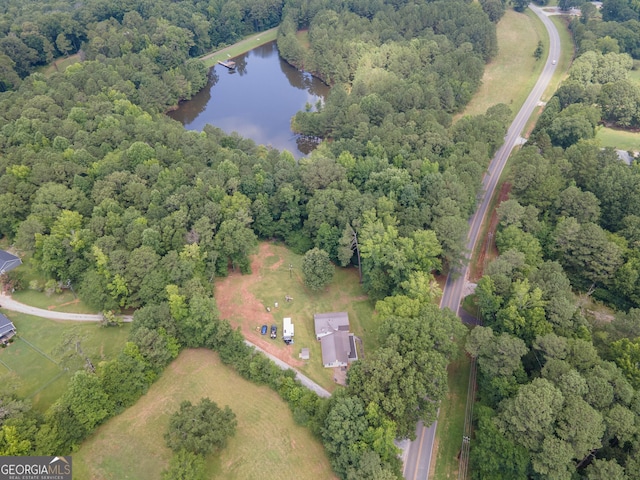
(354, 245)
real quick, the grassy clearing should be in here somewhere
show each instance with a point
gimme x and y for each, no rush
(451, 419)
(619, 139)
(60, 302)
(60, 65)
(511, 75)
(303, 38)
(267, 445)
(273, 281)
(40, 377)
(243, 46)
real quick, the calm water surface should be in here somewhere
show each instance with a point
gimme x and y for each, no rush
(257, 100)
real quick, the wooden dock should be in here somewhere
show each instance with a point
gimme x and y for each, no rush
(230, 64)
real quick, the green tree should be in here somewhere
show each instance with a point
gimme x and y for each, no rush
(388, 258)
(586, 251)
(626, 354)
(583, 206)
(497, 356)
(529, 416)
(581, 426)
(185, 465)
(87, 400)
(539, 180)
(63, 44)
(317, 269)
(523, 313)
(201, 428)
(603, 469)
(620, 422)
(234, 240)
(11, 444)
(343, 429)
(123, 380)
(493, 455)
(520, 5)
(513, 238)
(405, 377)
(554, 459)
(538, 51)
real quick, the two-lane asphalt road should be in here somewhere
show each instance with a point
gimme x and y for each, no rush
(418, 457)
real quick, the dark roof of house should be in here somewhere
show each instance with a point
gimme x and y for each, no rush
(8, 262)
(5, 325)
(335, 347)
(326, 323)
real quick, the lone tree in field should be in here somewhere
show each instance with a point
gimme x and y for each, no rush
(201, 428)
(317, 269)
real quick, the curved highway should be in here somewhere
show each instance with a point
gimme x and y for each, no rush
(418, 455)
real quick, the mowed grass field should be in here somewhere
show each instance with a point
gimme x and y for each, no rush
(619, 139)
(33, 358)
(277, 272)
(60, 302)
(61, 64)
(243, 46)
(267, 444)
(510, 76)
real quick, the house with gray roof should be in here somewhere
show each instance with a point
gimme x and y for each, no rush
(7, 329)
(337, 343)
(328, 323)
(8, 262)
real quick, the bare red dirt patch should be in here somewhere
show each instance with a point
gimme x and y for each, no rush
(488, 251)
(240, 306)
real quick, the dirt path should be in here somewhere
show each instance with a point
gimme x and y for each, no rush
(240, 306)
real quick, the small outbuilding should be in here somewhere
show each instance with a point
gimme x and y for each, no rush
(8, 262)
(7, 329)
(304, 354)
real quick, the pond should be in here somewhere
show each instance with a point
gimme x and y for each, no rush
(257, 100)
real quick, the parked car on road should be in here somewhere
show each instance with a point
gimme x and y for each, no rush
(263, 330)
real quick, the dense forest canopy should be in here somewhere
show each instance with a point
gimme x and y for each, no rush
(559, 388)
(104, 193)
